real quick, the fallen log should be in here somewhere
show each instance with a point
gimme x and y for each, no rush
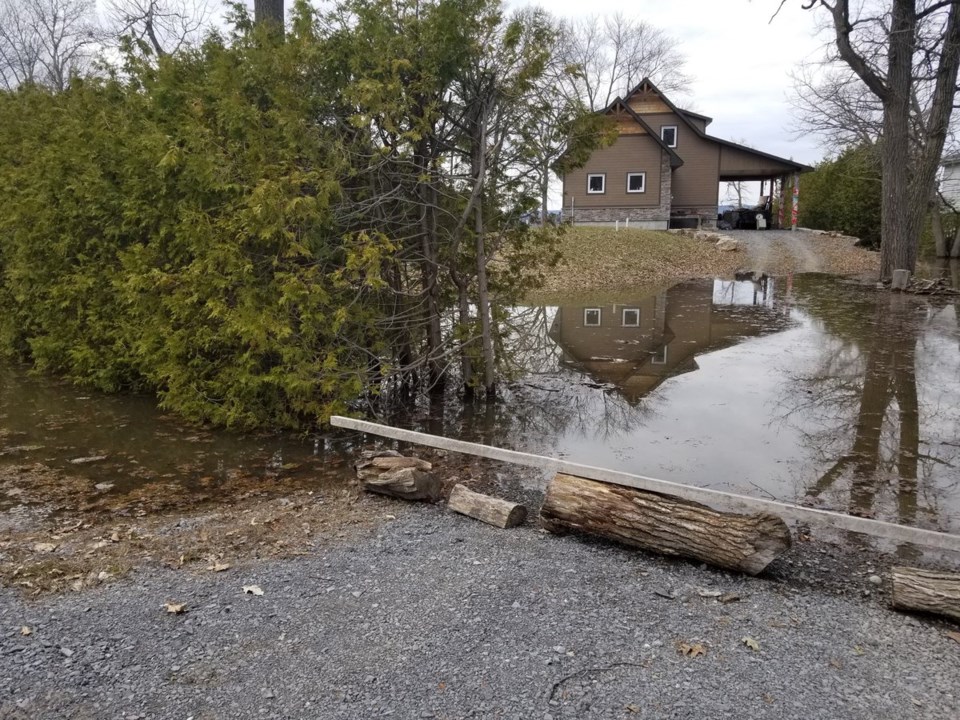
(664, 524)
(373, 465)
(491, 510)
(407, 483)
(926, 591)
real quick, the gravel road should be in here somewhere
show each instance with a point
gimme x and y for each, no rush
(778, 252)
(434, 615)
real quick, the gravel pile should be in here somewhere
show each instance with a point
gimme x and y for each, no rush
(438, 616)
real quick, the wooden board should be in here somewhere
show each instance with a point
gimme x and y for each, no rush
(716, 499)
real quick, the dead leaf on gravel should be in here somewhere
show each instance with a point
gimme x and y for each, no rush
(219, 567)
(252, 590)
(633, 708)
(955, 636)
(115, 537)
(750, 643)
(26, 631)
(175, 608)
(689, 650)
(728, 598)
(44, 547)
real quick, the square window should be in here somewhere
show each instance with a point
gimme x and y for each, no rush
(668, 133)
(631, 317)
(596, 184)
(636, 182)
(591, 317)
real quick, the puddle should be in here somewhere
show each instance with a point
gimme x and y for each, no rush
(805, 389)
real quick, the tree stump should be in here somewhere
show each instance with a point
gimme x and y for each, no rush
(926, 591)
(491, 510)
(664, 524)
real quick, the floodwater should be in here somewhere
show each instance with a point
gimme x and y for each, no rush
(807, 389)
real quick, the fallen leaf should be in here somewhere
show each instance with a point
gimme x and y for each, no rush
(219, 567)
(836, 664)
(728, 598)
(115, 537)
(175, 608)
(252, 590)
(858, 650)
(955, 636)
(750, 643)
(633, 708)
(689, 650)
(26, 631)
(44, 547)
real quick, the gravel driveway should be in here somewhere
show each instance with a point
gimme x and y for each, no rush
(438, 616)
(778, 252)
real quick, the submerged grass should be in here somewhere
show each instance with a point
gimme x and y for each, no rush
(602, 258)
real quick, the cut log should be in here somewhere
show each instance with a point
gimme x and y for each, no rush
(926, 591)
(664, 524)
(407, 483)
(491, 510)
(371, 467)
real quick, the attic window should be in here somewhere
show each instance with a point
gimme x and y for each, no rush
(668, 133)
(591, 317)
(636, 182)
(596, 184)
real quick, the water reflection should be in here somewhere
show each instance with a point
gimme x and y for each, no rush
(803, 388)
(636, 344)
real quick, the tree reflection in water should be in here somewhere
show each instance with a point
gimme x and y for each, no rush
(863, 402)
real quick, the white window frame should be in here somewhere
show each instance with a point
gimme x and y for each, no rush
(660, 357)
(598, 311)
(602, 176)
(623, 317)
(675, 135)
(643, 184)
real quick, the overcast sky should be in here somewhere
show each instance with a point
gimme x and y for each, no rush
(739, 63)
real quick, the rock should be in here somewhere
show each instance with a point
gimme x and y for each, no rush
(875, 579)
(728, 245)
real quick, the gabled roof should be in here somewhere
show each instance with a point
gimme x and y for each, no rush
(647, 85)
(675, 160)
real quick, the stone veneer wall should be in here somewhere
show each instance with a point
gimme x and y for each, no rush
(649, 216)
(706, 213)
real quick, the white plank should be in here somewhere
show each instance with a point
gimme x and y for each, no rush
(717, 499)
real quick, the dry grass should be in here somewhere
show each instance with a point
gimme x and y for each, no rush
(600, 258)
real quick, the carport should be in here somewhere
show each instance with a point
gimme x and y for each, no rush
(775, 174)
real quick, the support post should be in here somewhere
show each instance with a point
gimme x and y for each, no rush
(783, 201)
(795, 212)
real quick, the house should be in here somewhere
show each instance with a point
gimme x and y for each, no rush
(950, 180)
(637, 344)
(664, 169)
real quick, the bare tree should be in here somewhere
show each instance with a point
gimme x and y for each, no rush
(162, 26)
(45, 41)
(906, 54)
(613, 54)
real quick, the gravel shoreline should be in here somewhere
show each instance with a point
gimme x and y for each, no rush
(433, 615)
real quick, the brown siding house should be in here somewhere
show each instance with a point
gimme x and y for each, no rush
(663, 167)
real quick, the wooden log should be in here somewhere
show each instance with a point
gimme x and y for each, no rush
(926, 591)
(491, 510)
(371, 466)
(664, 524)
(407, 483)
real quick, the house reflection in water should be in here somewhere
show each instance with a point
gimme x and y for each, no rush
(637, 344)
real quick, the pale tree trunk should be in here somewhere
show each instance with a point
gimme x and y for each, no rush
(936, 226)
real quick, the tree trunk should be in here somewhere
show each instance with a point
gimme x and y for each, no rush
(268, 11)
(664, 524)
(936, 226)
(926, 591)
(491, 510)
(466, 361)
(408, 483)
(955, 250)
(483, 298)
(898, 245)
